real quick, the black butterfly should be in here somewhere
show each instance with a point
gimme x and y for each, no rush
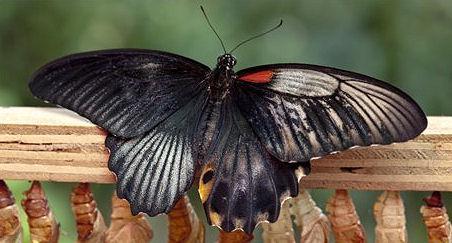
(250, 134)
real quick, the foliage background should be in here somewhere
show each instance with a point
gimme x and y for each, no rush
(408, 43)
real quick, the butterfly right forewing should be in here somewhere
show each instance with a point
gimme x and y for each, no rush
(304, 111)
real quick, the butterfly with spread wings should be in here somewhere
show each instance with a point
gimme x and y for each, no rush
(248, 132)
(249, 136)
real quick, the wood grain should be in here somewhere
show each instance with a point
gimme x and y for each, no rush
(51, 144)
(54, 144)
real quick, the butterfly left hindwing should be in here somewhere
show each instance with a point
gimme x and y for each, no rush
(154, 170)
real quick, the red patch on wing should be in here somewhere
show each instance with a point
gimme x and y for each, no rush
(258, 77)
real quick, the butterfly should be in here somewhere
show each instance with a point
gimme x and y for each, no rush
(248, 136)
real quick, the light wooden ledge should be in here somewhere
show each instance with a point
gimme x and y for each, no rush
(54, 144)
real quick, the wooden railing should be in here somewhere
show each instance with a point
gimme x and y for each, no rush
(54, 144)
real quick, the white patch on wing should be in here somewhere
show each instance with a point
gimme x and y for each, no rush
(150, 65)
(303, 82)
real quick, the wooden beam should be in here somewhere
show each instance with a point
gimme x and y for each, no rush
(51, 144)
(54, 144)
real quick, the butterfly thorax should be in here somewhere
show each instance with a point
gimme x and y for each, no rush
(222, 77)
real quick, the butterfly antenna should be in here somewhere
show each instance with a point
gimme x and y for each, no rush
(257, 36)
(213, 29)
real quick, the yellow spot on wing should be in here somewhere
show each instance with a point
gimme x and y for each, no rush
(205, 189)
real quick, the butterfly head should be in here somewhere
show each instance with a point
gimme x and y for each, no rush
(223, 76)
(226, 61)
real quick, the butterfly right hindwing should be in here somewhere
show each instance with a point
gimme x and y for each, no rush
(241, 184)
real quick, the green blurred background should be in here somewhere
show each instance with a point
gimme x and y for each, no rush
(408, 43)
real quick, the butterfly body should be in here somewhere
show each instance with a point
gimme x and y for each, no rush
(222, 78)
(250, 135)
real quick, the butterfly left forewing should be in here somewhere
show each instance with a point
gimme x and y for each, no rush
(304, 111)
(125, 91)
